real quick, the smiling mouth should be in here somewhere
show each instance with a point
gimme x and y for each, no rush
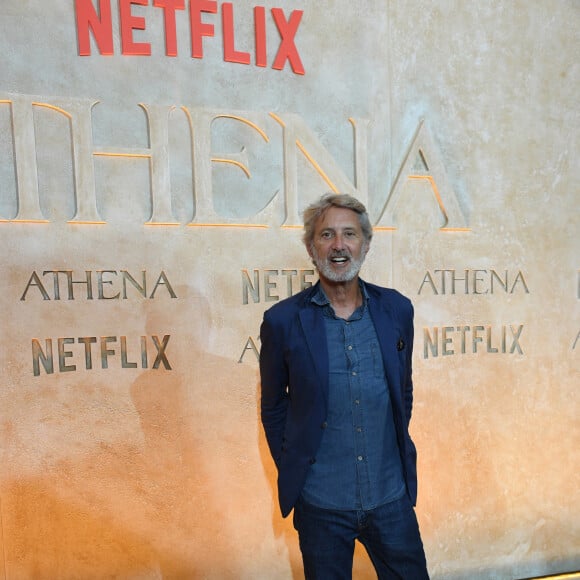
(339, 260)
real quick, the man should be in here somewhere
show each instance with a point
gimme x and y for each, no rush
(337, 394)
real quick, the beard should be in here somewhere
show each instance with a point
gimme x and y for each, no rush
(324, 265)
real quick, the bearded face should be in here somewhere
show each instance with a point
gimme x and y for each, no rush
(338, 248)
(339, 265)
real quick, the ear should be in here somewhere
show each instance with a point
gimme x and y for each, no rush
(366, 248)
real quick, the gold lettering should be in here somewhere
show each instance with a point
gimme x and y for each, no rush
(520, 278)
(476, 339)
(271, 289)
(430, 343)
(516, 339)
(477, 333)
(64, 354)
(249, 346)
(161, 346)
(303, 282)
(71, 282)
(297, 136)
(427, 279)
(503, 283)
(289, 275)
(87, 341)
(446, 340)
(423, 149)
(101, 282)
(477, 281)
(141, 288)
(38, 356)
(163, 281)
(249, 287)
(125, 364)
(35, 281)
(144, 361)
(269, 285)
(44, 357)
(488, 334)
(105, 352)
(462, 331)
(280, 208)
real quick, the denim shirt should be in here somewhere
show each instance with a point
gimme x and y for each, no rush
(358, 465)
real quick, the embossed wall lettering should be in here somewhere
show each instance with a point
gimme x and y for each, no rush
(474, 339)
(128, 357)
(473, 281)
(273, 285)
(108, 285)
(281, 209)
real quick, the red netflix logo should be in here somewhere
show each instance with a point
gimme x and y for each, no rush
(99, 23)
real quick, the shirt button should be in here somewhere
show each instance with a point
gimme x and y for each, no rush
(356, 402)
(349, 347)
(359, 429)
(360, 457)
(354, 374)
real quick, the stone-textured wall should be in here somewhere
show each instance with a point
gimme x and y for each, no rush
(150, 207)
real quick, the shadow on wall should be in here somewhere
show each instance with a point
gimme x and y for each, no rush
(282, 527)
(181, 497)
(200, 442)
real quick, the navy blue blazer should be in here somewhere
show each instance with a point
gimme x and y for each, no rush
(294, 382)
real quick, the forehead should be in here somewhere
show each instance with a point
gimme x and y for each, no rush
(338, 218)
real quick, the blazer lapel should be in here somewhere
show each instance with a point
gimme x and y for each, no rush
(388, 334)
(315, 333)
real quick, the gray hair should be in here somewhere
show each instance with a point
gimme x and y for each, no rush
(328, 200)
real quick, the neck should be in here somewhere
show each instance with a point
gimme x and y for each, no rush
(345, 297)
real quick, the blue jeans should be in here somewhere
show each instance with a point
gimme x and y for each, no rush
(389, 533)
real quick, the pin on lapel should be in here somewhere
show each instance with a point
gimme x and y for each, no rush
(400, 344)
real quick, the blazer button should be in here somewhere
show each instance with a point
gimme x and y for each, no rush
(324, 425)
(312, 461)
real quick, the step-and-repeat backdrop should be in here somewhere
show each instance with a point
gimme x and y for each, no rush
(155, 158)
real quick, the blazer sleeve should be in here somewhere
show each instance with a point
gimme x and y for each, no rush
(274, 384)
(408, 386)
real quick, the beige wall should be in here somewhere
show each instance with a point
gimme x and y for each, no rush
(139, 454)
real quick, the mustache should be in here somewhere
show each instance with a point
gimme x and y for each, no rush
(340, 254)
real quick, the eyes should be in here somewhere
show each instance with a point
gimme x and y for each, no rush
(330, 234)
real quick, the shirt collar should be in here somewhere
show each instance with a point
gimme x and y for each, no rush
(321, 299)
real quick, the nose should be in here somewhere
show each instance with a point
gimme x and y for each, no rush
(338, 242)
